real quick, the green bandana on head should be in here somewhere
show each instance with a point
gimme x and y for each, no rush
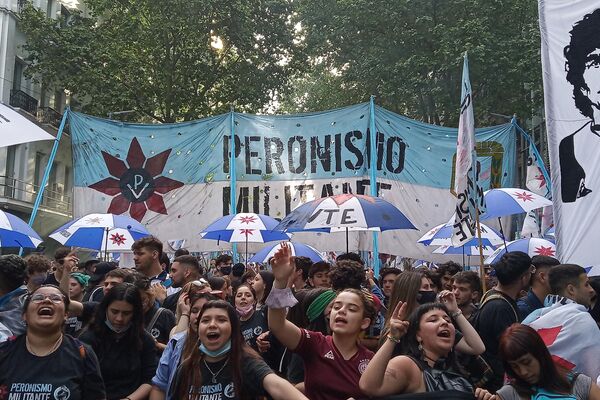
(319, 304)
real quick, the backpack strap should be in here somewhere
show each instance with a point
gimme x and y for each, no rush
(154, 319)
(494, 296)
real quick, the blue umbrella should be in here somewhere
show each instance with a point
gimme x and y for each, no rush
(298, 249)
(14, 232)
(345, 212)
(244, 228)
(442, 235)
(107, 232)
(530, 246)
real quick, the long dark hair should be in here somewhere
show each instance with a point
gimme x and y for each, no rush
(410, 344)
(518, 340)
(268, 278)
(191, 339)
(130, 294)
(191, 365)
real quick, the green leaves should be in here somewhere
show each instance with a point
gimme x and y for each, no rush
(170, 61)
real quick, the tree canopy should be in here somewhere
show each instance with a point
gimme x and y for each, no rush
(169, 60)
(408, 53)
(181, 60)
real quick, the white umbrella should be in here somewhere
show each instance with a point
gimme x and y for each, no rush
(16, 129)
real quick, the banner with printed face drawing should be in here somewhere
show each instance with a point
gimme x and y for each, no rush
(570, 32)
(175, 178)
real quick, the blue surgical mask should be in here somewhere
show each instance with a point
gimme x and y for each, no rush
(114, 329)
(217, 353)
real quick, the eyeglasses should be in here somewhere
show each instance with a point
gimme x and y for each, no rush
(55, 298)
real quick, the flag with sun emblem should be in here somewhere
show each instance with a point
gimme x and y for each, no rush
(175, 178)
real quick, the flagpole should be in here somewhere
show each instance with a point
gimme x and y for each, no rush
(481, 267)
(373, 177)
(232, 176)
(40, 194)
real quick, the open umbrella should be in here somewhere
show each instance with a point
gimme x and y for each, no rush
(244, 228)
(466, 250)
(14, 232)
(531, 246)
(102, 232)
(344, 213)
(441, 235)
(298, 249)
(502, 202)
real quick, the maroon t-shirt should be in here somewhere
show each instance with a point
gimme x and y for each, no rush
(327, 376)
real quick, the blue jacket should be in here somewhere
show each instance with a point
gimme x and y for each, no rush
(169, 361)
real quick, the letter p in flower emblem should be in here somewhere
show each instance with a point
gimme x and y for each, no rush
(137, 184)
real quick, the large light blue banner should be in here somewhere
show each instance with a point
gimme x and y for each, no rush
(165, 174)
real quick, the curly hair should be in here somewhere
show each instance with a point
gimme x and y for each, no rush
(37, 263)
(347, 274)
(13, 271)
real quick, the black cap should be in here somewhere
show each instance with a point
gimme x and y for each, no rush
(102, 269)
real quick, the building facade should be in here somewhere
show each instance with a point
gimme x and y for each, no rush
(22, 167)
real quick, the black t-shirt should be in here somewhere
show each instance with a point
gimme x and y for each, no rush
(254, 371)
(71, 372)
(252, 328)
(51, 280)
(123, 366)
(170, 302)
(75, 325)
(490, 321)
(162, 326)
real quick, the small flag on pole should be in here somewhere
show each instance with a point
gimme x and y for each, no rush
(469, 194)
(535, 181)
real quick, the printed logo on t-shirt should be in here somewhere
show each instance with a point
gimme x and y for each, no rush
(362, 366)
(329, 355)
(229, 391)
(25, 391)
(257, 330)
(62, 393)
(155, 333)
(307, 334)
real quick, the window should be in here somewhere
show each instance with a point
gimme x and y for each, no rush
(39, 168)
(18, 73)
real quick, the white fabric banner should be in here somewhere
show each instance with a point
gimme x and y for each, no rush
(469, 193)
(570, 33)
(16, 129)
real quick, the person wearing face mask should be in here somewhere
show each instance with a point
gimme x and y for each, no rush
(498, 309)
(412, 288)
(38, 266)
(180, 346)
(224, 264)
(223, 366)
(44, 362)
(126, 352)
(252, 322)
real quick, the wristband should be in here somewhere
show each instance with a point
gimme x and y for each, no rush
(393, 339)
(281, 298)
(456, 314)
(185, 315)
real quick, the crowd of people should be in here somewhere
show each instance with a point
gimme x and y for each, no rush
(294, 329)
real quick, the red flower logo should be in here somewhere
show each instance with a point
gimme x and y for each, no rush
(117, 239)
(545, 251)
(3, 392)
(247, 220)
(138, 183)
(524, 196)
(246, 232)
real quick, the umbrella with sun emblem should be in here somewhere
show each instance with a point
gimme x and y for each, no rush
(530, 246)
(102, 232)
(344, 213)
(244, 228)
(508, 201)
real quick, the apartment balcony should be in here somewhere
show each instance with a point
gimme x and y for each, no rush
(22, 100)
(21, 195)
(48, 115)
